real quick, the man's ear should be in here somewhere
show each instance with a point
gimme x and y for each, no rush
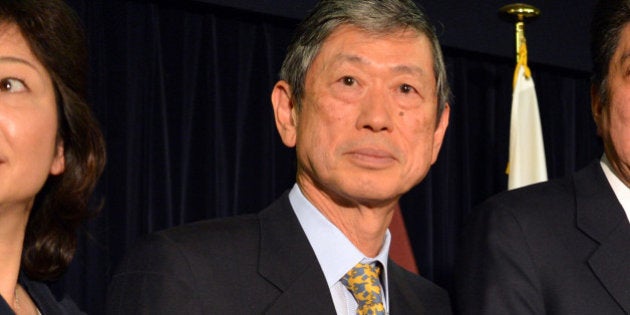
(284, 112)
(440, 131)
(59, 161)
(597, 108)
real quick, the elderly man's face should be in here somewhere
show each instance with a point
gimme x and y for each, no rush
(368, 128)
(613, 120)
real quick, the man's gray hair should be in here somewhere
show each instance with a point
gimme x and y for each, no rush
(374, 16)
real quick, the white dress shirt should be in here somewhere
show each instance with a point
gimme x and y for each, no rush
(621, 190)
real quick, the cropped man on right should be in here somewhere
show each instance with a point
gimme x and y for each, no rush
(563, 247)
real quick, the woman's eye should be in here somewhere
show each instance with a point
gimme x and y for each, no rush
(349, 81)
(12, 85)
(406, 88)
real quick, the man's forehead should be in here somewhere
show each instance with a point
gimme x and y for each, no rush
(397, 68)
(623, 44)
(349, 33)
(343, 44)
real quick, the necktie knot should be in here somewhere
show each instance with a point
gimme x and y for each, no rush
(363, 281)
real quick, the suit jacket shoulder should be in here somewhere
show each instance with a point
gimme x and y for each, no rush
(530, 251)
(167, 272)
(242, 265)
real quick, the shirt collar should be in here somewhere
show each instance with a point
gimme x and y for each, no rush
(335, 253)
(619, 188)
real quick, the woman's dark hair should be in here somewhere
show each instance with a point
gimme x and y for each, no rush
(55, 36)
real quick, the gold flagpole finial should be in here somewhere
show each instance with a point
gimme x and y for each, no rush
(516, 12)
(519, 13)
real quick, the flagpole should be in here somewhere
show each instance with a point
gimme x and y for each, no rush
(519, 13)
(527, 162)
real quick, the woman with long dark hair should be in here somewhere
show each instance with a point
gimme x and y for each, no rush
(51, 151)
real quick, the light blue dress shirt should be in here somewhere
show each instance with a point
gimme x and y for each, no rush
(335, 253)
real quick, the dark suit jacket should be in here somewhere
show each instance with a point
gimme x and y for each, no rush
(561, 247)
(244, 265)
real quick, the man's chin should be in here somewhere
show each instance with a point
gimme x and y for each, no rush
(374, 198)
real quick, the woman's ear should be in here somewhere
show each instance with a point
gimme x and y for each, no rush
(59, 161)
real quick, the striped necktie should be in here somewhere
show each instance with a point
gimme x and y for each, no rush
(363, 281)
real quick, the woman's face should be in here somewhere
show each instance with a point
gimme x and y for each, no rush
(29, 150)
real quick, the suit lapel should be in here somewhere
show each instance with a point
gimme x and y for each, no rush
(611, 263)
(402, 297)
(601, 217)
(288, 262)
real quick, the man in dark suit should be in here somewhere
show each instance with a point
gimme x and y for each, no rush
(363, 98)
(563, 247)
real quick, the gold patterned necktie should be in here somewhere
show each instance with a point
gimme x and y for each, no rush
(362, 281)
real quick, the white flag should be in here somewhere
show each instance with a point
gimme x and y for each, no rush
(527, 152)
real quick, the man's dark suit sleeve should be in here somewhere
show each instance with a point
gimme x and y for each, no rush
(154, 278)
(495, 273)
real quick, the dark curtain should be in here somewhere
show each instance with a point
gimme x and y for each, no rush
(182, 93)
